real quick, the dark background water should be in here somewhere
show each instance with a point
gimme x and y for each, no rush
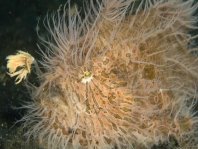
(18, 21)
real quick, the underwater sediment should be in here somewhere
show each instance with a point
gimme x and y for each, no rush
(121, 76)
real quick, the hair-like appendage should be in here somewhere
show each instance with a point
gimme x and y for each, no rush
(117, 74)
